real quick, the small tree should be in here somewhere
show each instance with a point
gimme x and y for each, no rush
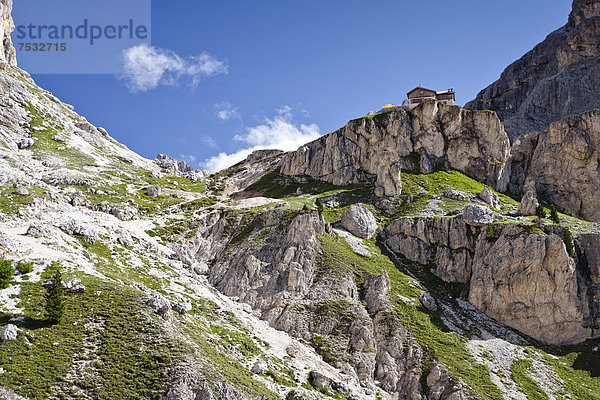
(55, 298)
(569, 242)
(541, 212)
(554, 214)
(24, 267)
(320, 206)
(6, 273)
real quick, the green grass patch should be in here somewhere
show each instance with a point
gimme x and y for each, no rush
(436, 341)
(131, 357)
(520, 373)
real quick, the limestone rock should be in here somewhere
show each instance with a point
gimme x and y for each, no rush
(563, 163)
(490, 198)
(25, 143)
(529, 283)
(359, 221)
(88, 233)
(155, 191)
(201, 268)
(476, 215)
(260, 367)
(447, 243)
(558, 78)
(441, 386)
(456, 195)
(377, 290)
(73, 286)
(428, 302)
(528, 205)
(7, 50)
(318, 380)
(22, 191)
(9, 332)
(441, 135)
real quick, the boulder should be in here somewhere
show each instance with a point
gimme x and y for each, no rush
(456, 195)
(441, 386)
(155, 191)
(22, 191)
(260, 368)
(73, 286)
(476, 215)
(529, 204)
(359, 221)
(201, 268)
(25, 143)
(428, 302)
(490, 198)
(9, 332)
(318, 380)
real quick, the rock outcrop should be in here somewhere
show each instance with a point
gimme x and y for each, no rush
(526, 281)
(7, 51)
(359, 221)
(564, 164)
(431, 137)
(558, 78)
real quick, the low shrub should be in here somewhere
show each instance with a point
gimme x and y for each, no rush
(24, 267)
(541, 212)
(6, 273)
(554, 214)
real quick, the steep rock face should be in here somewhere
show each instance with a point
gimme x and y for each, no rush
(281, 277)
(527, 282)
(7, 51)
(564, 162)
(446, 244)
(530, 283)
(430, 137)
(558, 78)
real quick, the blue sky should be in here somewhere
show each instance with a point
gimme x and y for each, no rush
(244, 74)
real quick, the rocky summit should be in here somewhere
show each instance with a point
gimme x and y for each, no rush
(558, 78)
(413, 254)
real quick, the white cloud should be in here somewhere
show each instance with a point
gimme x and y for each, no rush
(210, 142)
(226, 111)
(146, 67)
(278, 133)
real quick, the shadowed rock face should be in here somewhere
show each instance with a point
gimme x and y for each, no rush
(564, 162)
(558, 78)
(431, 137)
(7, 51)
(526, 281)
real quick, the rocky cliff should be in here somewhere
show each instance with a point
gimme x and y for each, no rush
(558, 78)
(431, 137)
(526, 281)
(275, 279)
(564, 164)
(7, 51)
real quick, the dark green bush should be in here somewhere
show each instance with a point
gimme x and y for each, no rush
(569, 242)
(541, 212)
(490, 232)
(6, 273)
(55, 298)
(24, 267)
(554, 214)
